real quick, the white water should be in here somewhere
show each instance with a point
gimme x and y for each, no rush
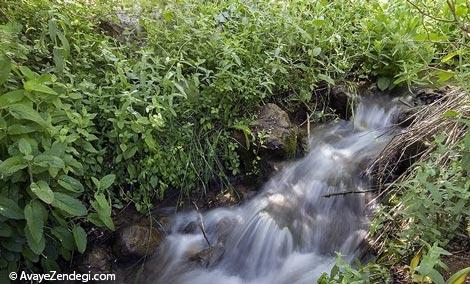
(290, 232)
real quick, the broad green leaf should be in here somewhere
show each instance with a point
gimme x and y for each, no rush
(35, 86)
(11, 97)
(383, 83)
(316, 51)
(168, 15)
(21, 111)
(5, 230)
(415, 261)
(10, 209)
(103, 202)
(80, 238)
(444, 75)
(52, 29)
(65, 44)
(326, 78)
(459, 277)
(466, 161)
(18, 129)
(451, 55)
(129, 153)
(30, 255)
(5, 69)
(64, 236)
(33, 213)
(28, 73)
(430, 37)
(107, 181)
(95, 219)
(46, 160)
(49, 264)
(58, 56)
(150, 141)
(96, 182)
(180, 88)
(70, 183)
(24, 147)
(246, 132)
(451, 114)
(12, 165)
(69, 204)
(36, 246)
(42, 190)
(103, 209)
(88, 147)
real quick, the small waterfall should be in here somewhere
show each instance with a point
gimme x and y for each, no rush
(290, 232)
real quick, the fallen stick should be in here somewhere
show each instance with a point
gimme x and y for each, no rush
(349, 192)
(201, 225)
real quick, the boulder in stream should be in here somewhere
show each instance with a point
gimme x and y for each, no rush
(340, 99)
(278, 134)
(137, 241)
(208, 256)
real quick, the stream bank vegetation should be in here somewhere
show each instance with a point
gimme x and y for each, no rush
(106, 104)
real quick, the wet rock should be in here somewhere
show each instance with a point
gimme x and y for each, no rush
(136, 241)
(191, 228)
(208, 256)
(128, 23)
(276, 139)
(111, 29)
(274, 166)
(426, 96)
(96, 260)
(340, 99)
(129, 19)
(275, 130)
(246, 192)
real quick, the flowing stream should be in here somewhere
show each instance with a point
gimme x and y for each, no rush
(290, 232)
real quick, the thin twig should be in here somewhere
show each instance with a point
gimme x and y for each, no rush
(350, 192)
(308, 126)
(201, 225)
(421, 11)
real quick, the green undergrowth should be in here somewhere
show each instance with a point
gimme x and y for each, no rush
(93, 116)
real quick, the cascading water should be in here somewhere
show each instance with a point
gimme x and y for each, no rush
(290, 231)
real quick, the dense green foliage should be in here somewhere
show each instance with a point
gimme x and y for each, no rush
(94, 117)
(433, 195)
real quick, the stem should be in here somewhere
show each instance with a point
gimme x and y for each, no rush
(349, 192)
(201, 225)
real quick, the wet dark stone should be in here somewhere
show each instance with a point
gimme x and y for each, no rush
(191, 228)
(136, 241)
(279, 134)
(96, 260)
(340, 100)
(208, 256)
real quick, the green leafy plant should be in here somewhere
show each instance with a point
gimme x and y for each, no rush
(344, 273)
(425, 268)
(42, 197)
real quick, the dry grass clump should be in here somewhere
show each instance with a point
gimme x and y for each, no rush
(414, 142)
(441, 116)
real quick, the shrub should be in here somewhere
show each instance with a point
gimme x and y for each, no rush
(41, 136)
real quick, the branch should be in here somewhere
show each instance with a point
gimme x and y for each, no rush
(349, 192)
(201, 225)
(429, 15)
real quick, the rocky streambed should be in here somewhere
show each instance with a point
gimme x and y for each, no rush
(277, 141)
